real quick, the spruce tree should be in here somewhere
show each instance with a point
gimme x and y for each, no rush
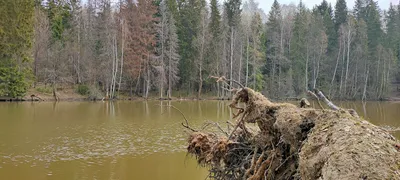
(340, 13)
(213, 57)
(298, 48)
(326, 12)
(187, 31)
(16, 34)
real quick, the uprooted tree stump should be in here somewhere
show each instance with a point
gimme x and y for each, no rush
(289, 142)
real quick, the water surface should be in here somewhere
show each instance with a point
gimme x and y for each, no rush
(119, 140)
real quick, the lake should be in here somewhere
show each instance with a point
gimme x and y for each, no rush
(119, 140)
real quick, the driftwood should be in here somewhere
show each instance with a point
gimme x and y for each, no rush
(36, 97)
(290, 142)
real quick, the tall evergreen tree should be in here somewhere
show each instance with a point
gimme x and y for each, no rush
(359, 10)
(298, 49)
(274, 47)
(16, 34)
(187, 31)
(340, 13)
(373, 20)
(326, 12)
(392, 28)
(233, 12)
(214, 55)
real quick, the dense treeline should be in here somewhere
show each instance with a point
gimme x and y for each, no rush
(169, 46)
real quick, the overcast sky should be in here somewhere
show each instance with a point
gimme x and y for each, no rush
(266, 4)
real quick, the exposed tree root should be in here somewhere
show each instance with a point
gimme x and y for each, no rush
(296, 143)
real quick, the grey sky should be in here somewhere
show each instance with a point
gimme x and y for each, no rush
(266, 4)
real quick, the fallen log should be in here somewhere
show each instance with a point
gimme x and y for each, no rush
(289, 142)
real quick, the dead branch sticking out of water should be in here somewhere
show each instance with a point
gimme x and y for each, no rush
(326, 100)
(281, 145)
(315, 97)
(186, 124)
(317, 94)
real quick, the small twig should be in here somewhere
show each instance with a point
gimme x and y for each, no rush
(237, 125)
(259, 161)
(241, 110)
(270, 164)
(215, 124)
(276, 169)
(253, 161)
(183, 115)
(230, 123)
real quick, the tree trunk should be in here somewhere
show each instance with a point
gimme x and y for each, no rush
(148, 77)
(247, 61)
(306, 71)
(240, 62)
(342, 72)
(348, 59)
(162, 61)
(364, 96)
(122, 55)
(200, 83)
(334, 72)
(169, 74)
(355, 81)
(231, 58)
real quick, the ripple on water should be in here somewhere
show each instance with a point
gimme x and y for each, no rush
(96, 142)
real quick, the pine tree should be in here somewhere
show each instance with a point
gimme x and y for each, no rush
(392, 27)
(359, 10)
(326, 12)
(213, 59)
(340, 13)
(256, 54)
(298, 49)
(274, 47)
(16, 34)
(187, 31)
(374, 26)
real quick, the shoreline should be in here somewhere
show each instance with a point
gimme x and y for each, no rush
(70, 99)
(70, 95)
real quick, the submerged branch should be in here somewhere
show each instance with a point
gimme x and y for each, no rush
(184, 117)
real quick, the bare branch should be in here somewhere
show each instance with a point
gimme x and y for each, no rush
(223, 79)
(326, 100)
(183, 115)
(215, 124)
(316, 97)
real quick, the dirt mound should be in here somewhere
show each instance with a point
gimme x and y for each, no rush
(296, 143)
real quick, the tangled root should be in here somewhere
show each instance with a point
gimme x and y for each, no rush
(296, 143)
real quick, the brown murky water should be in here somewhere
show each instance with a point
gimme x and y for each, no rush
(120, 140)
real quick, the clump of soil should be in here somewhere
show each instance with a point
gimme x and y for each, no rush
(296, 143)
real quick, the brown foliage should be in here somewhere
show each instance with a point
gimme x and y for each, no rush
(140, 20)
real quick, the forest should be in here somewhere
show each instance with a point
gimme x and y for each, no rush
(170, 48)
